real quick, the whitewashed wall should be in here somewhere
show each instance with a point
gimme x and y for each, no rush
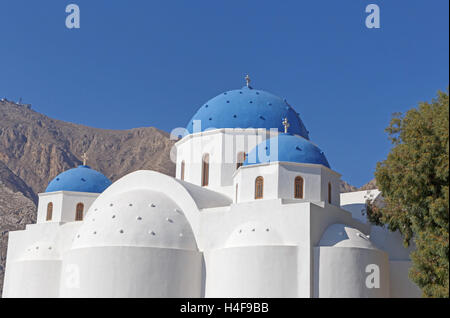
(64, 205)
(340, 272)
(125, 271)
(255, 271)
(32, 279)
(223, 146)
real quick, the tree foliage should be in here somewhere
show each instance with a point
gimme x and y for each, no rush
(414, 181)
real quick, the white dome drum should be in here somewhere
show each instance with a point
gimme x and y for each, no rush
(135, 242)
(139, 217)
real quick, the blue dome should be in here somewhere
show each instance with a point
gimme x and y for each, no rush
(247, 108)
(290, 149)
(81, 179)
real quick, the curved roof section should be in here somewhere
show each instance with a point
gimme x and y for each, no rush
(287, 148)
(254, 234)
(80, 179)
(138, 217)
(340, 235)
(246, 108)
(40, 251)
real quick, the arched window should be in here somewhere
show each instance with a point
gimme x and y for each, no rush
(205, 170)
(240, 160)
(329, 192)
(298, 187)
(182, 170)
(259, 187)
(49, 211)
(79, 212)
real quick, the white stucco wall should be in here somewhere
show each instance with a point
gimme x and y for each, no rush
(32, 269)
(44, 199)
(223, 146)
(279, 181)
(32, 279)
(256, 271)
(400, 284)
(64, 205)
(341, 272)
(127, 271)
(245, 179)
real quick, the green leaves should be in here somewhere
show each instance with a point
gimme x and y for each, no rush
(414, 180)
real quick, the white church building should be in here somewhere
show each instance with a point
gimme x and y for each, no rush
(254, 211)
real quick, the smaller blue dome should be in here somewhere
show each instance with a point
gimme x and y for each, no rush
(80, 179)
(291, 148)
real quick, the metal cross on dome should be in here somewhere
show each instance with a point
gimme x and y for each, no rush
(285, 124)
(85, 158)
(247, 80)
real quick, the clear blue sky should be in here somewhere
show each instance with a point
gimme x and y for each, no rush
(153, 63)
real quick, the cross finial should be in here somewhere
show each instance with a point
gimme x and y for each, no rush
(85, 158)
(285, 124)
(247, 80)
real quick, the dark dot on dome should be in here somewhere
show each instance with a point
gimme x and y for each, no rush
(57, 179)
(228, 101)
(251, 102)
(270, 104)
(262, 117)
(210, 118)
(224, 93)
(257, 93)
(267, 147)
(298, 148)
(83, 179)
(206, 106)
(240, 92)
(234, 116)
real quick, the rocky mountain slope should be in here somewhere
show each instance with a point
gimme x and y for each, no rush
(17, 208)
(372, 184)
(345, 187)
(35, 148)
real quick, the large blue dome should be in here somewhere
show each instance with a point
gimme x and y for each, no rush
(247, 108)
(81, 179)
(291, 148)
